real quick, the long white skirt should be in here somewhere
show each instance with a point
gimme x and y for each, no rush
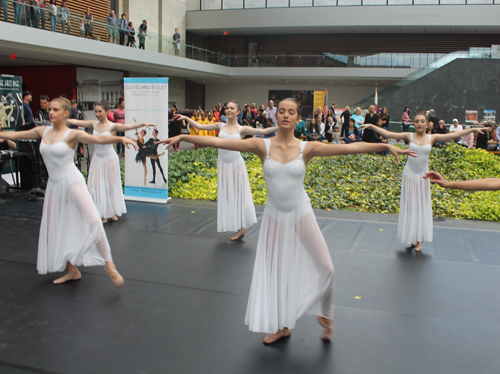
(235, 208)
(415, 209)
(293, 273)
(105, 185)
(71, 228)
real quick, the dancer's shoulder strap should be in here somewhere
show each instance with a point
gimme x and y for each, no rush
(267, 142)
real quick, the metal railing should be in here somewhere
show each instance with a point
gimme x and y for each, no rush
(197, 5)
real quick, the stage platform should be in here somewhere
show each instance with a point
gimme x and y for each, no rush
(182, 307)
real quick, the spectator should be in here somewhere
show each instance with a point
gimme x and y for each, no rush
(119, 117)
(300, 130)
(35, 14)
(370, 118)
(254, 56)
(318, 112)
(82, 28)
(43, 112)
(122, 29)
(358, 118)
(329, 129)
(73, 114)
(441, 129)
(53, 10)
(456, 127)
(336, 138)
(63, 15)
(468, 140)
(143, 32)
(79, 113)
(263, 107)
(18, 12)
(321, 125)
(4, 5)
(254, 109)
(177, 41)
(260, 120)
(271, 112)
(497, 133)
(405, 121)
(352, 134)
(216, 112)
(88, 24)
(344, 118)
(223, 117)
(433, 118)
(386, 118)
(27, 113)
(27, 12)
(43, 14)
(260, 56)
(314, 131)
(485, 140)
(248, 116)
(131, 35)
(111, 22)
(430, 128)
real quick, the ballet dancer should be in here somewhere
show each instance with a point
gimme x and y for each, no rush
(104, 179)
(293, 273)
(71, 231)
(235, 208)
(415, 207)
(486, 184)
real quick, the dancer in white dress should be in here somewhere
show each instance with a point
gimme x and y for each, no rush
(235, 208)
(415, 207)
(71, 231)
(104, 179)
(293, 270)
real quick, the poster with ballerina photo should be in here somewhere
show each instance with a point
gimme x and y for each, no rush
(146, 170)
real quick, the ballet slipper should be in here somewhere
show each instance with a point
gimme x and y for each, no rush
(271, 338)
(114, 218)
(104, 220)
(115, 276)
(70, 276)
(238, 235)
(327, 324)
(418, 247)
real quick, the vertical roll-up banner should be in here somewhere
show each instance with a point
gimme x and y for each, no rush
(146, 170)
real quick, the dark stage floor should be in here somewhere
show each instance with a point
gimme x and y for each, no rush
(182, 307)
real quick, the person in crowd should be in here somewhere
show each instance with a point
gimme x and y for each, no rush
(351, 133)
(406, 120)
(336, 138)
(248, 116)
(254, 56)
(358, 118)
(433, 118)
(111, 25)
(52, 10)
(300, 130)
(314, 131)
(27, 112)
(344, 119)
(329, 126)
(263, 107)
(271, 111)
(71, 231)
(486, 184)
(370, 118)
(18, 12)
(260, 119)
(130, 35)
(43, 14)
(415, 211)
(122, 28)
(468, 140)
(27, 12)
(455, 127)
(143, 32)
(4, 6)
(104, 180)
(223, 117)
(177, 41)
(235, 208)
(254, 109)
(386, 118)
(293, 272)
(43, 113)
(321, 125)
(485, 140)
(88, 23)
(441, 128)
(260, 56)
(35, 14)
(119, 117)
(430, 128)
(63, 15)
(175, 125)
(79, 113)
(73, 114)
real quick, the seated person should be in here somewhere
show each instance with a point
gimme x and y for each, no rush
(314, 132)
(300, 130)
(351, 134)
(485, 141)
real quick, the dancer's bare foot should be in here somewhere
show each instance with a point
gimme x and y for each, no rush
(413, 245)
(327, 324)
(238, 234)
(114, 218)
(418, 247)
(115, 276)
(271, 338)
(104, 220)
(72, 275)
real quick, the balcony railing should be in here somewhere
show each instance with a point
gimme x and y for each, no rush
(196, 5)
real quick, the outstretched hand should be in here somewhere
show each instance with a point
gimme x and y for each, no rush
(149, 125)
(180, 116)
(397, 151)
(366, 126)
(435, 177)
(479, 130)
(170, 141)
(128, 141)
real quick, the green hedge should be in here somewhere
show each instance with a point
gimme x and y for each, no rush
(367, 182)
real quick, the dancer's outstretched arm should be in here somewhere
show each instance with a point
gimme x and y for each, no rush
(387, 134)
(81, 123)
(79, 136)
(199, 126)
(247, 130)
(34, 133)
(135, 125)
(436, 138)
(487, 184)
(10, 143)
(316, 149)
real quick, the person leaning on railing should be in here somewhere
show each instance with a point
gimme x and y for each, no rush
(63, 14)
(52, 9)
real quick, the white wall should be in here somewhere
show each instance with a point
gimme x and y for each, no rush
(258, 93)
(176, 88)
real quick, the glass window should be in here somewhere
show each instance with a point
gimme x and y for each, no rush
(233, 4)
(211, 4)
(374, 2)
(255, 4)
(399, 2)
(299, 3)
(349, 2)
(277, 3)
(424, 2)
(452, 1)
(327, 2)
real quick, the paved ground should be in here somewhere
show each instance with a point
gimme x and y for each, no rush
(181, 309)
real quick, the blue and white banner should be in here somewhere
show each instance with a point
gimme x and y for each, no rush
(146, 171)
